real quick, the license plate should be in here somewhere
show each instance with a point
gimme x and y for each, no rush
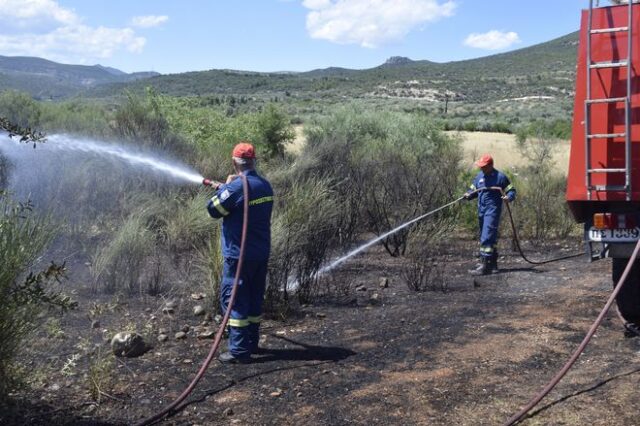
(614, 235)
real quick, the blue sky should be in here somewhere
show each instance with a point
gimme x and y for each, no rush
(171, 36)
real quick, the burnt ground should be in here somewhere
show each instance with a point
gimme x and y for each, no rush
(470, 355)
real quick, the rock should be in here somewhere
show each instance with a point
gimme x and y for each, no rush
(163, 331)
(218, 319)
(197, 296)
(185, 328)
(207, 333)
(162, 338)
(95, 324)
(277, 393)
(228, 412)
(148, 310)
(168, 310)
(321, 315)
(198, 310)
(129, 345)
(384, 282)
(91, 408)
(180, 335)
(361, 288)
(299, 394)
(54, 387)
(375, 298)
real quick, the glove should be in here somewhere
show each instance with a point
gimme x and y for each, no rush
(466, 196)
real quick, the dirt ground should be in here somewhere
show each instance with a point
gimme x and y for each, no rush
(469, 355)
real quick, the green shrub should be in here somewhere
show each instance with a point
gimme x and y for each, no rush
(23, 236)
(20, 109)
(141, 120)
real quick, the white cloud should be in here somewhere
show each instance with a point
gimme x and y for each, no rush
(492, 40)
(149, 21)
(44, 28)
(24, 13)
(371, 23)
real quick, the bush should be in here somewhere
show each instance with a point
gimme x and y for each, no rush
(274, 132)
(209, 262)
(23, 236)
(118, 265)
(541, 211)
(188, 224)
(421, 167)
(423, 271)
(142, 121)
(303, 232)
(20, 109)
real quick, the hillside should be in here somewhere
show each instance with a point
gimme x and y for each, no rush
(45, 79)
(546, 69)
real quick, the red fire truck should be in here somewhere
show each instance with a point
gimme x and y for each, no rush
(603, 188)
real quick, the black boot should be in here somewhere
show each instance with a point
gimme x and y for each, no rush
(493, 263)
(483, 268)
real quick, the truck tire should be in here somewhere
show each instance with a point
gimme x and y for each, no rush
(628, 299)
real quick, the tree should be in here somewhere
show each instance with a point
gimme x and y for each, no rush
(275, 131)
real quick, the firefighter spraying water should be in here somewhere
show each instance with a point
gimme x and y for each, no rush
(227, 204)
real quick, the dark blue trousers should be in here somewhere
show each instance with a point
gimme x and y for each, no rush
(489, 223)
(244, 322)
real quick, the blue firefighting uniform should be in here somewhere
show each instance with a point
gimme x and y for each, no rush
(228, 203)
(490, 207)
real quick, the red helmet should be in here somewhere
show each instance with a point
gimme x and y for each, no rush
(244, 150)
(485, 160)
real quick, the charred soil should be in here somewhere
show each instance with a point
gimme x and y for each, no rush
(469, 351)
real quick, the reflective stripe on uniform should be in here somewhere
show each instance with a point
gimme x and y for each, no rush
(261, 200)
(218, 205)
(486, 249)
(472, 187)
(238, 322)
(509, 188)
(255, 320)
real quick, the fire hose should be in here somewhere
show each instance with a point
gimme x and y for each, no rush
(516, 238)
(561, 373)
(514, 419)
(218, 337)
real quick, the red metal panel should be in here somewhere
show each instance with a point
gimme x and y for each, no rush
(605, 118)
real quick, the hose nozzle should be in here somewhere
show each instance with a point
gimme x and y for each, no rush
(212, 183)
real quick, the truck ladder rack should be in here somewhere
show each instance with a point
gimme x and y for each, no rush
(589, 101)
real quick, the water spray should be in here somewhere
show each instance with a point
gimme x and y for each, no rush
(60, 142)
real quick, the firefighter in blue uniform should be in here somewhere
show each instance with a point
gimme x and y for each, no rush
(228, 204)
(489, 210)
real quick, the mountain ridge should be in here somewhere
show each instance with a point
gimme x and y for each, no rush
(546, 69)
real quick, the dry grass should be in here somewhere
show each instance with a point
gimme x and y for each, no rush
(503, 148)
(298, 143)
